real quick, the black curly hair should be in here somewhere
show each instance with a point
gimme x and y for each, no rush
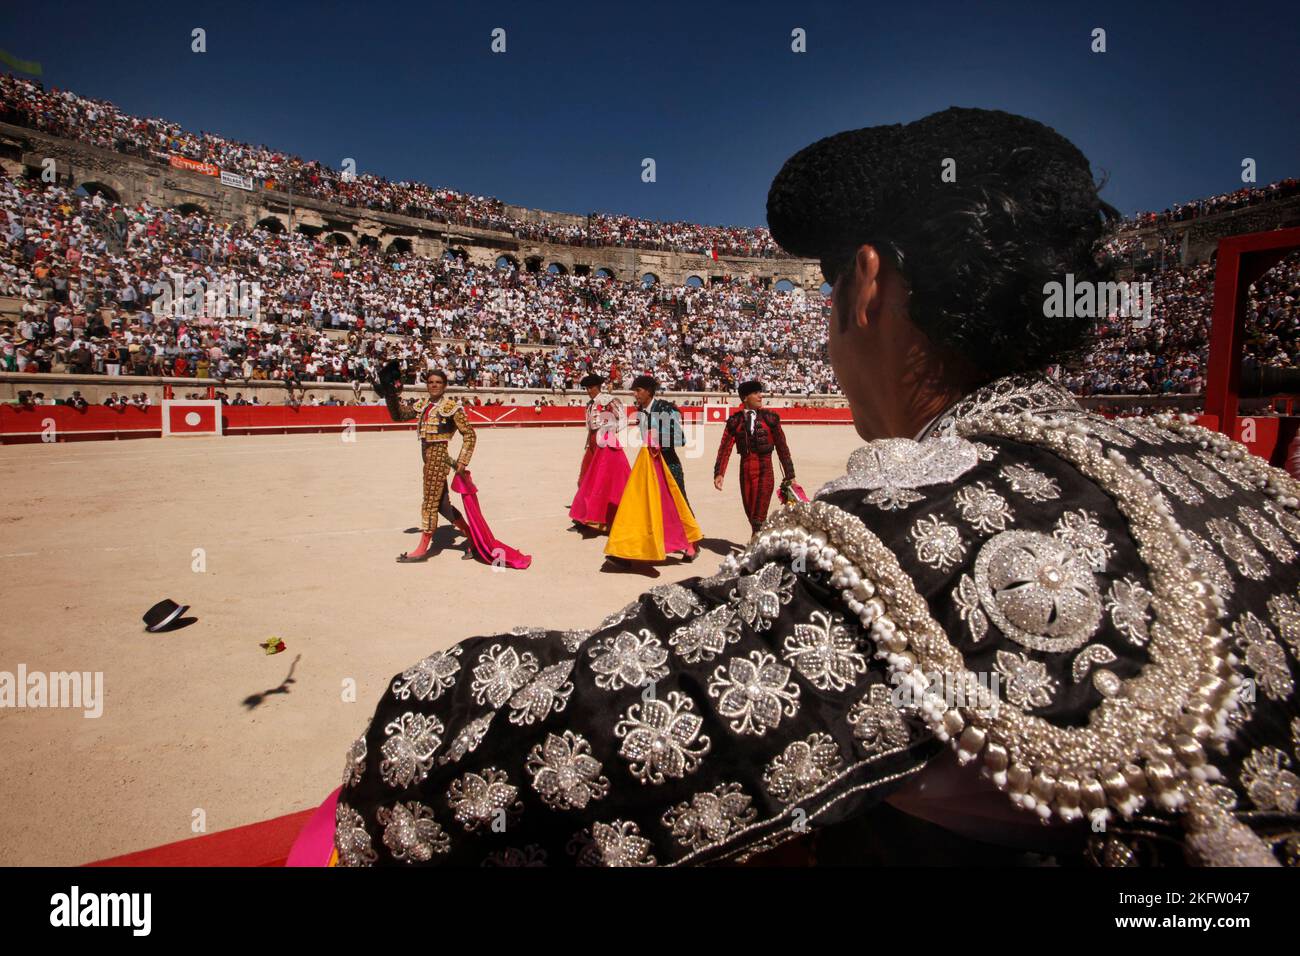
(976, 253)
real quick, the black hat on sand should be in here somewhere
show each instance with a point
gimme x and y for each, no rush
(163, 615)
(749, 388)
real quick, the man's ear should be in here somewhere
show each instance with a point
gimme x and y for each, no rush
(866, 294)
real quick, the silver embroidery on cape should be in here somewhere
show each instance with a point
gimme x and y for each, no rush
(1202, 475)
(411, 833)
(470, 736)
(758, 597)
(674, 600)
(877, 723)
(1266, 533)
(628, 660)
(351, 838)
(802, 767)
(1030, 483)
(710, 817)
(1267, 782)
(1088, 658)
(1027, 682)
(983, 508)
(1285, 612)
(825, 653)
(659, 738)
(1289, 522)
(1209, 565)
(501, 670)
(531, 855)
(356, 762)
(1232, 541)
(573, 640)
(754, 692)
(1228, 468)
(619, 616)
(1129, 605)
(967, 598)
(937, 543)
(1167, 476)
(564, 773)
(429, 678)
(1083, 532)
(408, 751)
(707, 636)
(528, 633)
(1039, 591)
(548, 692)
(480, 798)
(620, 844)
(891, 468)
(1264, 656)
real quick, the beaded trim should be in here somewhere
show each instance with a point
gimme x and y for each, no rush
(1147, 743)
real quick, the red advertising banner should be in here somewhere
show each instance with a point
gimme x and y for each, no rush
(194, 166)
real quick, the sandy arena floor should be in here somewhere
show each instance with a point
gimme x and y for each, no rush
(299, 534)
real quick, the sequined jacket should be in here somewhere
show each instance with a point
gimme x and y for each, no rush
(661, 424)
(1093, 622)
(437, 422)
(768, 436)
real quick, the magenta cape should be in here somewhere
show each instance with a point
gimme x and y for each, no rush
(604, 477)
(486, 547)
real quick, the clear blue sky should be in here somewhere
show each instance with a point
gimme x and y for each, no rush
(712, 92)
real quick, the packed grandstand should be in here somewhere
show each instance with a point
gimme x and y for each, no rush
(88, 275)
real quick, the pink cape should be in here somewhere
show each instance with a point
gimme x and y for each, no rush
(486, 547)
(315, 843)
(604, 477)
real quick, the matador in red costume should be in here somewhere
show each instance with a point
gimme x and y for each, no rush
(755, 432)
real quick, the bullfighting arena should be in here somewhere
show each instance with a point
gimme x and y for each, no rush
(289, 536)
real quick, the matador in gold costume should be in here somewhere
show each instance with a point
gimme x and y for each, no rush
(439, 416)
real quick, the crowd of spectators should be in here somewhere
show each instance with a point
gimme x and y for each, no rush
(100, 123)
(1211, 205)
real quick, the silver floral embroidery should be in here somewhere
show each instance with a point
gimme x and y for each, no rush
(1265, 533)
(573, 641)
(1083, 532)
(411, 833)
(528, 633)
(429, 678)
(470, 736)
(1087, 658)
(351, 838)
(938, 543)
(893, 466)
(709, 817)
(984, 451)
(619, 616)
(983, 508)
(531, 855)
(824, 652)
(754, 692)
(1169, 477)
(876, 721)
(1107, 682)
(628, 660)
(659, 738)
(1202, 475)
(967, 598)
(758, 597)
(802, 767)
(1208, 564)
(547, 692)
(1267, 782)
(501, 670)
(1264, 656)
(674, 600)
(707, 636)
(620, 844)
(1228, 468)
(1142, 428)
(1128, 603)
(479, 798)
(1038, 590)
(1030, 483)
(408, 751)
(356, 762)
(1286, 617)
(1027, 682)
(1232, 541)
(1289, 522)
(564, 772)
